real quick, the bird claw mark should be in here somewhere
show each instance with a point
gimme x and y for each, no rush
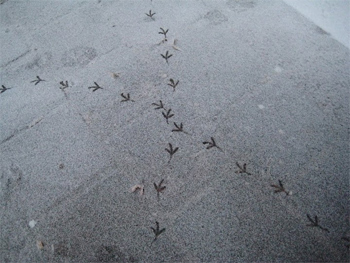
(242, 169)
(166, 56)
(280, 188)
(173, 84)
(3, 89)
(171, 151)
(96, 87)
(150, 14)
(126, 98)
(167, 115)
(157, 231)
(315, 223)
(159, 106)
(37, 80)
(159, 188)
(64, 85)
(179, 128)
(212, 144)
(163, 32)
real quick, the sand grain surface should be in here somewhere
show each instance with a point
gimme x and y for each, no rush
(266, 84)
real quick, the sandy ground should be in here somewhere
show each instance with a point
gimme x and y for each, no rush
(263, 97)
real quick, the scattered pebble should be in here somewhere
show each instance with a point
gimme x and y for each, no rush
(278, 69)
(32, 223)
(261, 106)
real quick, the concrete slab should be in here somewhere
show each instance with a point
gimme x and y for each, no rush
(274, 96)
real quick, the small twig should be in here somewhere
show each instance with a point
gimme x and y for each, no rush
(37, 80)
(159, 188)
(212, 144)
(3, 89)
(126, 98)
(179, 128)
(150, 14)
(173, 84)
(167, 115)
(280, 188)
(314, 223)
(242, 169)
(96, 87)
(166, 56)
(159, 106)
(171, 151)
(157, 232)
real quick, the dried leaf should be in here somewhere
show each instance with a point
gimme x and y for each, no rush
(39, 244)
(138, 187)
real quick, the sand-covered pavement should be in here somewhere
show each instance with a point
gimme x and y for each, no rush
(244, 98)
